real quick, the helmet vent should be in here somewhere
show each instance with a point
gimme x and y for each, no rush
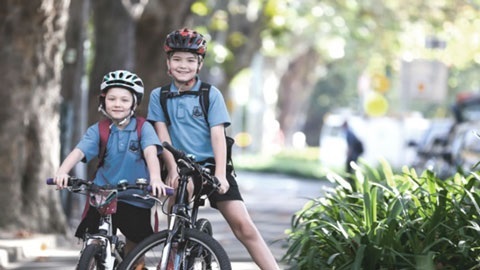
(119, 82)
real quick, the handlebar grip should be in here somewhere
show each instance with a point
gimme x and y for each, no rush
(168, 191)
(216, 182)
(70, 182)
(178, 154)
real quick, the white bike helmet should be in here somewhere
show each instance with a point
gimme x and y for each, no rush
(124, 79)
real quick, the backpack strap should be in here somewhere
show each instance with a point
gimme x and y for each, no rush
(204, 99)
(140, 122)
(104, 130)
(164, 95)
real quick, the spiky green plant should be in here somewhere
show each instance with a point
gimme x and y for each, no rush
(389, 221)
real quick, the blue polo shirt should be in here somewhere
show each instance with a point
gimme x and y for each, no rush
(123, 157)
(188, 130)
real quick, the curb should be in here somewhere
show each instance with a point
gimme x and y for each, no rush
(16, 249)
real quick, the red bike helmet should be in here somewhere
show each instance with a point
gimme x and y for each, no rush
(186, 40)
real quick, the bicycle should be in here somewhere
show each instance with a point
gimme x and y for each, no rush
(102, 250)
(187, 243)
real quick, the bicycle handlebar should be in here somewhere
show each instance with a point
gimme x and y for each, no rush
(182, 158)
(177, 153)
(71, 182)
(77, 182)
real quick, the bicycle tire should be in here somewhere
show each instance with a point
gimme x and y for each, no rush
(202, 252)
(204, 225)
(91, 258)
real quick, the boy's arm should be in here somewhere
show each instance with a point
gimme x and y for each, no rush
(153, 164)
(167, 157)
(61, 177)
(219, 146)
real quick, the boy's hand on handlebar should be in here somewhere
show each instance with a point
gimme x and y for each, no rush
(172, 179)
(158, 187)
(61, 180)
(224, 185)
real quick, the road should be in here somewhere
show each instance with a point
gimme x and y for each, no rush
(271, 200)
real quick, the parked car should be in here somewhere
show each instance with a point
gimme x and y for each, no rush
(465, 146)
(433, 151)
(451, 146)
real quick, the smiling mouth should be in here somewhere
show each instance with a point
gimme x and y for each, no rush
(183, 71)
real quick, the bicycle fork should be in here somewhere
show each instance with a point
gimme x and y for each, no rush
(168, 245)
(108, 246)
(172, 252)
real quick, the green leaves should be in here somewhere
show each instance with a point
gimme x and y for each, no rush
(392, 221)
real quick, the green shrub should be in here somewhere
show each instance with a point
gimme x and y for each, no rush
(391, 221)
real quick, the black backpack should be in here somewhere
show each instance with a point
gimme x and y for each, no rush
(204, 99)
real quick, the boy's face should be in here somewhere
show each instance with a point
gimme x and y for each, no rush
(183, 66)
(118, 103)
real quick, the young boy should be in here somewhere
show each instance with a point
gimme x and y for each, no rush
(121, 93)
(189, 131)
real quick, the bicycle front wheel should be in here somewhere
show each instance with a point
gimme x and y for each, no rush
(198, 251)
(91, 258)
(204, 225)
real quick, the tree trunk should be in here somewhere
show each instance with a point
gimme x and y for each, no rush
(296, 86)
(73, 73)
(241, 38)
(114, 49)
(74, 94)
(159, 18)
(30, 61)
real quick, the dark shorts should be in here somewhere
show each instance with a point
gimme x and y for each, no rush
(133, 222)
(233, 193)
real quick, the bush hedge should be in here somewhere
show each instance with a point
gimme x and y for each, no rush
(385, 220)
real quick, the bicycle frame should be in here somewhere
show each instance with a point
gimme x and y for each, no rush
(105, 237)
(179, 219)
(104, 200)
(187, 242)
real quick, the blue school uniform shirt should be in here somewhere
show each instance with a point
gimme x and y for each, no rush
(123, 158)
(188, 130)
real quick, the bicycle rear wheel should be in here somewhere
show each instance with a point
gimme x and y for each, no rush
(91, 258)
(199, 251)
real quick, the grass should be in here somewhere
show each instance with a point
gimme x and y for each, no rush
(302, 163)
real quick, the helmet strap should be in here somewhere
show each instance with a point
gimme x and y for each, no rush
(121, 123)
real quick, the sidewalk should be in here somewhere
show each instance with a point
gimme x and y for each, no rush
(16, 250)
(22, 247)
(270, 198)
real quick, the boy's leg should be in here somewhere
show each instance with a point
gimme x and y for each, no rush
(134, 223)
(237, 216)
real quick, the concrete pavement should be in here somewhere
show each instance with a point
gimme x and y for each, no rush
(271, 200)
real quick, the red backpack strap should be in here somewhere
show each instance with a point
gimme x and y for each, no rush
(140, 122)
(104, 131)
